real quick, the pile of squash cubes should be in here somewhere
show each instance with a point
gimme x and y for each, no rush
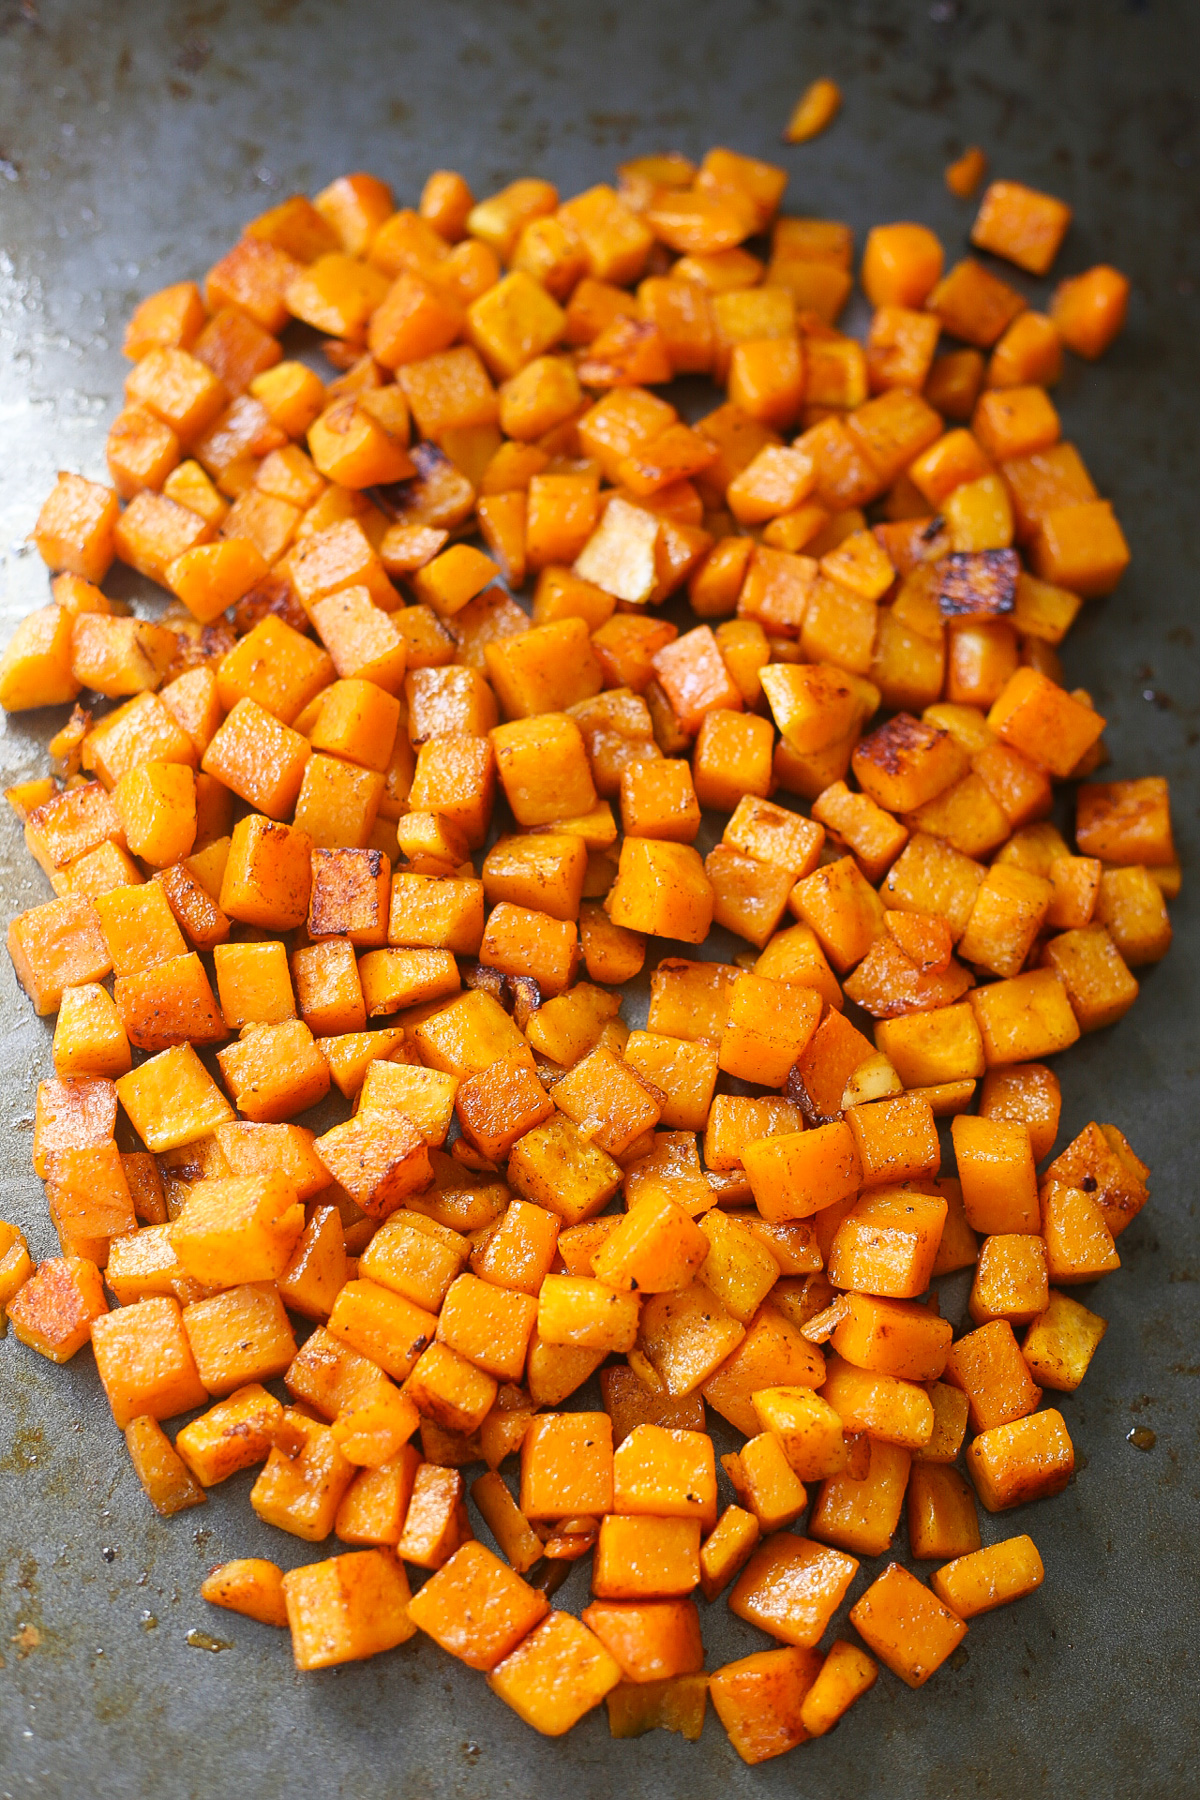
(359, 819)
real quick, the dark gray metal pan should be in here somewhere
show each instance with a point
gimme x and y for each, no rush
(134, 140)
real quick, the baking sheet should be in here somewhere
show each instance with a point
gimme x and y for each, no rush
(134, 140)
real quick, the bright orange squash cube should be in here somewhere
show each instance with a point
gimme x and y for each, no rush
(907, 1626)
(347, 1608)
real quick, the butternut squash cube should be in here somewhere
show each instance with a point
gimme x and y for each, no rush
(446, 1388)
(557, 1166)
(1021, 224)
(808, 1429)
(1131, 907)
(759, 1700)
(1029, 1459)
(1089, 309)
(379, 1160)
(608, 1101)
(347, 1608)
(234, 1434)
(1027, 1017)
(477, 1608)
(53, 1312)
(654, 1642)
(797, 1174)
(56, 946)
(1098, 983)
(543, 769)
(74, 529)
(579, 1311)
(906, 1625)
(1079, 1243)
(655, 1248)
(71, 1113)
(239, 1229)
(1010, 1279)
(491, 1327)
(1061, 1343)
(164, 1476)
(791, 1588)
(662, 890)
(381, 1325)
(261, 759)
(984, 1579)
(275, 1071)
(770, 1025)
(905, 763)
(974, 304)
(646, 1558)
(455, 777)
(732, 757)
(892, 1337)
(764, 1481)
(249, 1585)
(172, 1100)
(238, 1336)
(887, 1244)
(89, 1038)
(500, 1105)
(254, 984)
(987, 1365)
(995, 1167)
(88, 1199)
(37, 668)
(1046, 724)
(845, 1675)
(531, 1678)
(567, 1465)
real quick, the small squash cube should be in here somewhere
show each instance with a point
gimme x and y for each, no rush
(74, 530)
(477, 1608)
(53, 1312)
(236, 1433)
(567, 1465)
(1089, 309)
(240, 1336)
(791, 1588)
(249, 1585)
(887, 1244)
(378, 1158)
(172, 1100)
(639, 1557)
(1061, 1342)
(662, 890)
(559, 1673)
(1021, 224)
(1029, 1459)
(275, 1071)
(759, 1700)
(582, 1312)
(162, 1472)
(907, 1626)
(239, 1229)
(347, 1608)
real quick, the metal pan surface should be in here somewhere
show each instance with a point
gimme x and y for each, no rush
(134, 140)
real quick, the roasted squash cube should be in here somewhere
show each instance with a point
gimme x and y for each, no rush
(53, 1312)
(759, 1700)
(567, 1465)
(907, 1626)
(1029, 1459)
(662, 890)
(347, 1608)
(531, 1678)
